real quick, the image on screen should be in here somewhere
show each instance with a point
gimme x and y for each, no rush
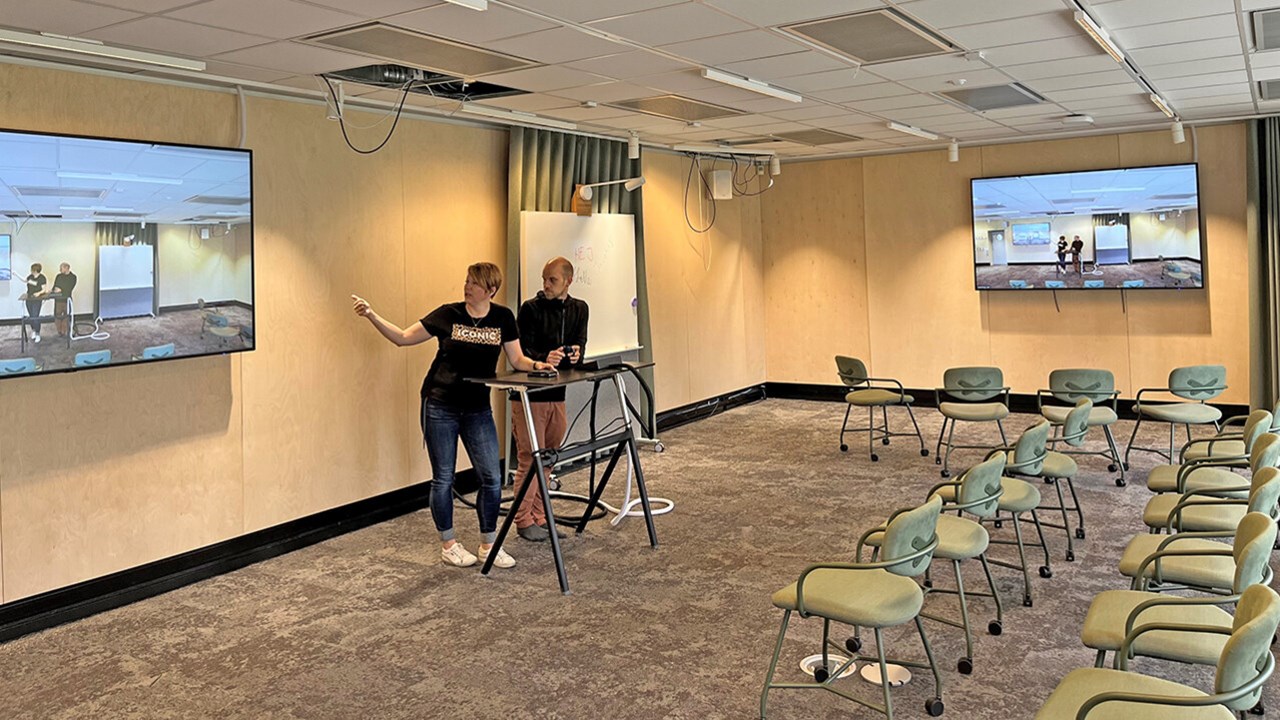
(1128, 228)
(120, 252)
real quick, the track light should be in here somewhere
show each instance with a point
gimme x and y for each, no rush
(775, 166)
(630, 184)
(471, 4)
(1164, 106)
(81, 46)
(912, 130)
(953, 151)
(1179, 136)
(1099, 36)
(749, 84)
(334, 99)
(633, 147)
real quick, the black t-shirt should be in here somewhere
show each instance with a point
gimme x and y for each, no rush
(1062, 246)
(469, 348)
(64, 283)
(549, 324)
(1076, 246)
(35, 283)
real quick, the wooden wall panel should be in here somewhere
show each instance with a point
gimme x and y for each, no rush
(815, 279)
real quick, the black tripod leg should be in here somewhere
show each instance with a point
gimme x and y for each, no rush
(644, 494)
(599, 489)
(510, 518)
(551, 523)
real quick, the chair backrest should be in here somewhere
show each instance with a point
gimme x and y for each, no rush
(157, 351)
(1275, 417)
(1257, 423)
(1030, 450)
(1094, 284)
(17, 366)
(1198, 382)
(1018, 284)
(911, 532)
(1134, 283)
(982, 482)
(1251, 549)
(1071, 384)
(1076, 424)
(852, 371)
(1054, 284)
(1265, 452)
(1264, 492)
(1247, 653)
(974, 384)
(92, 358)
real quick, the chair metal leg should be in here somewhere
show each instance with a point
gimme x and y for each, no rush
(1066, 524)
(1075, 500)
(937, 450)
(1003, 440)
(916, 425)
(1022, 559)
(1115, 455)
(844, 426)
(1035, 518)
(1172, 429)
(1132, 437)
(964, 619)
(884, 673)
(946, 461)
(826, 638)
(937, 677)
(871, 432)
(995, 595)
(773, 665)
(1101, 659)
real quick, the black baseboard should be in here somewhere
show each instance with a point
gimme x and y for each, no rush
(81, 600)
(1018, 402)
(702, 409)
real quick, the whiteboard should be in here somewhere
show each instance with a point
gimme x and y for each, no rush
(125, 266)
(1111, 237)
(602, 248)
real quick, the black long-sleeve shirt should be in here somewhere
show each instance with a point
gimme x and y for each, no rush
(549, 324)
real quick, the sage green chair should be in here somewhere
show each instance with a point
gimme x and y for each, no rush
(1099, 387)
(1234, 438)
(1215, 474)
(1190, 560)
(1059, 468)
(1243, 667)
(1218, 509)
(976, 492)
(1114, 614)
(1196, 385)
(1020, 498)
(871, 393)
(877, 595)
(976, 394)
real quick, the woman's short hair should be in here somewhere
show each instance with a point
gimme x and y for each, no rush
(36, 267)
(487, 275)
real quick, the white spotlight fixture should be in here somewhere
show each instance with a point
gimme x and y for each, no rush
(81, 46)
(515, 116)
(1164, 106)
(775, 166)
(953, 151)
(633, 147)
(912, 130)
(1077, 119)
(1099, 36)
(1179, 136)
(334, 99)
(582, 194)
(471, 4)
(749, 84)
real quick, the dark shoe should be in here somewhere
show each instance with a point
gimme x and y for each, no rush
(534, 533)
(547, 533)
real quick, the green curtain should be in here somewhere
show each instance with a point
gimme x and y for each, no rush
(1265, 257)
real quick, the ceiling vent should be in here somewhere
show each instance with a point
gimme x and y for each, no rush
(763, 141)
(1269, 89)
(17, 214)
(58, 192)
(114, 214)
(1266, 29)
(419, 50)
(217, 200)
(676, 107)
(817, 137)
(994, 97)
(873, 37)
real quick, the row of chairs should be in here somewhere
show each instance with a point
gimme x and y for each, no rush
(92, 358)
(1089, 284)
(978, 394)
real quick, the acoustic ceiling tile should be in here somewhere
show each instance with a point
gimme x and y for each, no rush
(671, 24)
(174, 36)
(64, 17)
(631, 64)
(949, 13)
(785, 66)
(1172, 33)
(279, 19)
(459, 23)
(1128, 13)
(557, 45)
(768, 13)
(749, 45)
(582, 11)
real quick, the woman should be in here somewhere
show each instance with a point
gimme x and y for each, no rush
(35, 289)
(472, 335)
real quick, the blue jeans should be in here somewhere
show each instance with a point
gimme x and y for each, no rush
(442, 426)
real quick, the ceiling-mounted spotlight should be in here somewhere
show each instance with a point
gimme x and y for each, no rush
(472, 4)
(749, 84)
(1099, 36)
(1077, 119)
(953, 151)
(333, 100)
(1164, 106)
(633, 147)
(912, 130)
(775, 166)
(582, 194)
(1179, 136)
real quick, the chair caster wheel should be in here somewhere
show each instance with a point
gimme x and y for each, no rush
(1120, 482)
(946, 473)
(1026, 601)
(1126, 467)
(1112, 467)
(844, 448)
(936, 460)
(1045, 572)
(924, 453)
(853, 644)
(995, 628)
(1071, 556)
(934, 707)
(875, 457)
(820, 674)
(998, 524)
(1079, 533)
(1258, 710)
(965, 666)
(659, 447)
(928, 583)
(884, 441)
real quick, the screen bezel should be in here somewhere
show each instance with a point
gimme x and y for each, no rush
(1204, 258)
(253, 267)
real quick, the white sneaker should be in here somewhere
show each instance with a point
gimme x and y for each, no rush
(457, 556)
(35, 337)
(502, 559)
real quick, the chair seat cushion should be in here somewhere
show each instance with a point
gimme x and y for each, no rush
(1216, 571)
(974, 412)
(874, 397)
(1080, 685)
(1192, 413)
(1223, 448)
(1055, 465)
(1098, 416)
(958, 538)
(873, 598)
(1018, 496)
(1194, 518)
(1164, 479)
(1104, 627)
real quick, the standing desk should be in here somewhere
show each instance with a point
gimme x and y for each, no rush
(622, 441)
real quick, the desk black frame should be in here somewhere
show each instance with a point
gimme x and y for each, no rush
(622, 441)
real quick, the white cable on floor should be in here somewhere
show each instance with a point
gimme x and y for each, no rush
(629, 505)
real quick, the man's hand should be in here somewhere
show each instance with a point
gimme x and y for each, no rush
(555, 356)
(576, 355)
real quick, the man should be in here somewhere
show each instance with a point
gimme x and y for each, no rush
(1077, 246)
(553, 328)
(63, 283)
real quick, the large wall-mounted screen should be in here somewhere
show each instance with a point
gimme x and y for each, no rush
(121, 252)
(1128, 228)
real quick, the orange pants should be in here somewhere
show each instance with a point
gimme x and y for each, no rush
(550, 423)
